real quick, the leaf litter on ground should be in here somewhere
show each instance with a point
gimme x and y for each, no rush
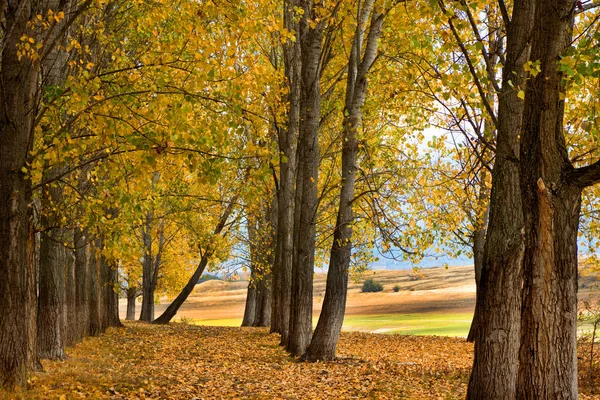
(179, 361)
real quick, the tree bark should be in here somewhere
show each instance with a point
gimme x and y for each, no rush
(287, 137)
(172, 309)
(494, 372)
(310, 109)
(250, 309)
(131, 296)
(551, 206)
(109, 307)
(51, 319)
(31, 303)
(82, 267)
(95, 290)
(147, 313)
(479, 249)
(325, 338)
(18, 80)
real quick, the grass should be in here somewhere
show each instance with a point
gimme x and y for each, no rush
(448, 324)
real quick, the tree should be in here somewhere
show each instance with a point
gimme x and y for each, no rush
(551, 189)
(324, 340)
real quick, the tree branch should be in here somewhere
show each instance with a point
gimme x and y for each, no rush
(586, 176)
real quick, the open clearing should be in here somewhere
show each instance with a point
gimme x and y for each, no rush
(435, 301)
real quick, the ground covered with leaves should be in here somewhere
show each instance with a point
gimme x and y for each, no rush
(179, 361)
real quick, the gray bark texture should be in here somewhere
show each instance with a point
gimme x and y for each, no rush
(498, 307)
(287, 138)
(325, 338)
(308, 179)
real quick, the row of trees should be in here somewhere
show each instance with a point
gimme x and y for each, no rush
(143, 143)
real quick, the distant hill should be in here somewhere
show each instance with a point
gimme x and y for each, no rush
(208, 277)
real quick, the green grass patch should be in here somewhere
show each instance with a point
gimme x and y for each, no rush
(450, 324)
(404, 324)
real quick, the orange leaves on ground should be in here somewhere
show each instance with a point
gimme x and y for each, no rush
(180, 361)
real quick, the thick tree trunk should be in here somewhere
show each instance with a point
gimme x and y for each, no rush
(51, 319)
(109, 307)
(250, 309)
(310, 109)
(131, 296)
(18, 80)
(263, 314)
(287, 137)
(551, 205)
(494, 372)
(325, 338)
(172, 309)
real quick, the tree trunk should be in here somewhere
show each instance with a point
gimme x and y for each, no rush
(82, 267)
(31, 303)
(131, 296)
(282, 269)
(494, 372)
(310, 112)
(51, 301)
(147, 313)
(250, 309)
(109, 308)
(95, 290)
(551, 205)
(263, 315)
(325, 338)
(478, 251)
(172, 309)
(18, 80)
(70, 314)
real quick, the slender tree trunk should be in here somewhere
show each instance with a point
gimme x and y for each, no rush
(551, 206)
(288, 136)
(250, 310)
(147, 313)
(95, 290)
(31, 303)
(325, 338)
(172, 309)
(479, 249)
(82, 267)
(494, 372)
(310, 113)
(70, 314)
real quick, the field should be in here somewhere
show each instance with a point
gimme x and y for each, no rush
(435, 301)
